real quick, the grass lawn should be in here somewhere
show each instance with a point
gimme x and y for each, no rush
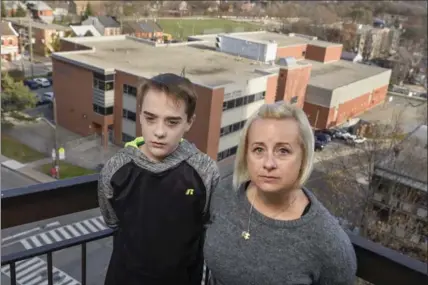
(13, 149)
(66, 170)
(181, 29)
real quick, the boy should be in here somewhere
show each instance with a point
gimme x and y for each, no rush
(156, 191)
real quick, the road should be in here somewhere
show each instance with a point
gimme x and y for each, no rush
(39, 69)
(11, 179)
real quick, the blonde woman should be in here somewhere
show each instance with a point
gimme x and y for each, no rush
(271, 230)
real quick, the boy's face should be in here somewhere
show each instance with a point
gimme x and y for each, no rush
(163, 124)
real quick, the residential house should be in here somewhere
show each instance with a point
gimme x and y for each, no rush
(9, 42)
(60, 9)
(146, 29)
(12, 6)
(105, 25)
(85, 31)
(401, 65)
(41, 11)
(400, 186)
(42, 36)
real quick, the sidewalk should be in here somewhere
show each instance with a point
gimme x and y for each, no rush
(27, 169)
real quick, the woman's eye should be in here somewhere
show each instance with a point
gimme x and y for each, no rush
(284, 151)
(258, 150)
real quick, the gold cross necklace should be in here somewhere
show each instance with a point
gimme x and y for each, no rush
(246, 234)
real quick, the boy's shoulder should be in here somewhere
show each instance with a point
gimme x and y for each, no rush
(115, 162)
(206, 168)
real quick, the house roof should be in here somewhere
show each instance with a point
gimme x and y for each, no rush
(6, 29)
(39, 5)
(108, 22)
(146, 26)
(83, 30)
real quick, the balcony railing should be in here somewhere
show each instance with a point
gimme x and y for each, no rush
(376, 264)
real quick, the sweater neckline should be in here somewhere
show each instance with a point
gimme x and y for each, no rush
(311, 214)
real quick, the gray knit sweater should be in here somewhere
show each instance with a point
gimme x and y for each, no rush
(311, 250)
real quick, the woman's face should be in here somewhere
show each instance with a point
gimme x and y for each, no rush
(274, 154)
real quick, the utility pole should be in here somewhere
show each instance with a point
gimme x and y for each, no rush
(30, 36)
(56, 138)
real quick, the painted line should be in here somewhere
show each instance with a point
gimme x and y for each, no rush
(21, 234)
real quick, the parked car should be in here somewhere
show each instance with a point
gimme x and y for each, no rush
(329, 132)
(319, 145)
(33, 85)
(344, 135)
(323, 137)
(43, 82)
(48, 97)
(355, 140)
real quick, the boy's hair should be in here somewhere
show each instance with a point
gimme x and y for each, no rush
(178, 87)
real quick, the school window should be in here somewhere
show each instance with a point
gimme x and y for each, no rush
(226, 153)
(102, 110)
(130, 90)
(241, 101)
(129, 115)
(103, 82)
(232, 128)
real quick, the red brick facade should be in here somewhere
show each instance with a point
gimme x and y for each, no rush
(322, 117)
(312, 52)
(292, 83)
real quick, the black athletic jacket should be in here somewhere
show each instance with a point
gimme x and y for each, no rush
(159, 211)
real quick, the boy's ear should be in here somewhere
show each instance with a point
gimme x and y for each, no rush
(190, 122)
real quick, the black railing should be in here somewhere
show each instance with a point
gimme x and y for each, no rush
(376, 264)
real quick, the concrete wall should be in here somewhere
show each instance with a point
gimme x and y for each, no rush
(318, 96)
(129, 103)
(239, 114)
(229, 141)
(129, 127)
(244, 88)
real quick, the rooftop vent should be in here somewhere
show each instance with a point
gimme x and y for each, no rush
(287, 61)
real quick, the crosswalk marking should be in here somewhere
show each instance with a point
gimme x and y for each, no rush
(33, 271)
(65, 232)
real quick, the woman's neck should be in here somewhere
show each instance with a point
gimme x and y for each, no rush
(282, 203)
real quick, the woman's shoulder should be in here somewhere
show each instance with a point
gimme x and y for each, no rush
(327, 224)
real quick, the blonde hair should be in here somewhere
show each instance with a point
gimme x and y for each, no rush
(279, 110)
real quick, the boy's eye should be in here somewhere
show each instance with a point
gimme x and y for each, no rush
(173, 123)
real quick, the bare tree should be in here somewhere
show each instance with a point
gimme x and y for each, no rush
(365, 186)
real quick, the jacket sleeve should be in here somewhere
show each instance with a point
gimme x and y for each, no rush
(210, 175)
(106, 191)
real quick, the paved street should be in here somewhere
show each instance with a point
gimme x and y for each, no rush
(39, 69)
(11, 179)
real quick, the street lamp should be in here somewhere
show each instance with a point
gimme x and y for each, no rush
(55, 152)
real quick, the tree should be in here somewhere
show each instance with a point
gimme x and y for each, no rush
(14, 95)
(3, 10)
(88, 11)
(20, 12)
(358, 193)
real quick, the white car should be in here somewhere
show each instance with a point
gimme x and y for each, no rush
(43, 82)
(48, 97)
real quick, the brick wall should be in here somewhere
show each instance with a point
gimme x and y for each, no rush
(293, 82)
(297, 51)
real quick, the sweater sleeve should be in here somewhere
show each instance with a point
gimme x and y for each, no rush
(106, 191)
(340, 266)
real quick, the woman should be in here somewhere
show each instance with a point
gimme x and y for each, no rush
(272, 230)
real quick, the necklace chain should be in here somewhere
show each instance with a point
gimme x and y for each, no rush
(246, 234)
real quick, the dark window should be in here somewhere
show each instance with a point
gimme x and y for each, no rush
(129, 115)
(128, 89)
(102, 110)
(230, 104)
(226, 153)
(224, 106)
(109, 86)
(239, 102)
(294, 100)
(103, 77)
(236, 127)
(250, 99)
